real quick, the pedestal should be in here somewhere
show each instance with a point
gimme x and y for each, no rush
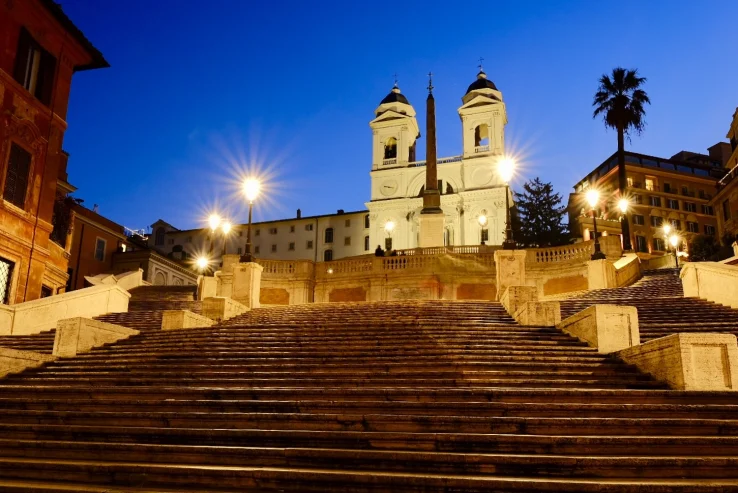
(600, 274)
(510, 265)
(431, 230)
(247, 283)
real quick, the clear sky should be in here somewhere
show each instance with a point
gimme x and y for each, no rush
(197, 90)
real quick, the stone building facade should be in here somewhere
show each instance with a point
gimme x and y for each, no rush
(725, 202)
(678, 190)
(41, 50)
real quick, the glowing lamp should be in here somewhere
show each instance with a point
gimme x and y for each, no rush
(506, 169)
(623, 205)
(482, 220)
(593, 197)
(202, 262)
(674, 240)
(667, 229)
(389, 226)
(251, 188)
(214, 221)
(226, 227)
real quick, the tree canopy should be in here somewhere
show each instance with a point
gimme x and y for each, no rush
(540, 216)
(621, 100)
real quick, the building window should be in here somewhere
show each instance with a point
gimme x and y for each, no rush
(272, 231)
(159, 237)
(693, 227)
(726, 209)
(707, 210)
(100, 249)
(690, 207)
(6, 277)
(257, 232)
(46, 291)
(638, 199)
(240, 233)
(388, 244)
(641, 244)
(654, 201)
(309, 245)
(639, 219)
(34, 68)
(189, 239)
(292, 229)
(347, 241)
(308, 227)
(658, 244)
(16, 176)
(685, 191)
(485, 235)
(630, 181)
(675, 224)
(657, 221)
(667, 188)
(672, 204)
(709, 230)
(366, 243)
(390, 148)
(328, 235)
(327, 255)
(366, 221)
(650, 185)
(347, 223)
(171, 241)
(239, 250)
(291, 246)
(257, 249)
(274, 248)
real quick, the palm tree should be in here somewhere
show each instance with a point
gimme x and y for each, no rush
(620, 100)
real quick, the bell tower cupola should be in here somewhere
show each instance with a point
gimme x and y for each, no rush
(483, 118)
(394, 132)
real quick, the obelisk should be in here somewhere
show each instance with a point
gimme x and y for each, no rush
(431, 217)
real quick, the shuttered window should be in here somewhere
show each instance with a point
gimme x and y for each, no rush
(34, 68)
(16, 176)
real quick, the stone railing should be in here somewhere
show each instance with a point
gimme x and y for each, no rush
(463, 249)
(628, 270)
(286, 268)
(389, 162)
(711, 281)
(480, 149)
(577, 252)
(37, 316)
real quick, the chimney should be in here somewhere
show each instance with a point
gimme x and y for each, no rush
(299, 213)
(340, 211)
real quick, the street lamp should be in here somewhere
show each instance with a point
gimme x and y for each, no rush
(213, 222)
(506, 169)
(482, 223)
(202, 263)
(226, 228)
(389, 226)
(593, 198)
(672, 240)
(623, 205)
(251, 189)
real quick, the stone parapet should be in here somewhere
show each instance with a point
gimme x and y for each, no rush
(220, 308)
(183, 319)
(15, 361)
(247, 284)
(689, 361)
(207, 287)
(601, 274)
(608, 328)
(514, 297)
(79, 335)
(711, 281)
(43, 314)
(510, 269)
(539, 314)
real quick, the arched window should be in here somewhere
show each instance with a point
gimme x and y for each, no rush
(159, 237)
(422, 190)
(160, 279)
(329, 235)
(366, 243)
(390, 148)
(366, 221)
(449, 188)
(328, 255)
(481, 135)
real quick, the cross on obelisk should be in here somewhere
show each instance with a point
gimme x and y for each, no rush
(481, 69)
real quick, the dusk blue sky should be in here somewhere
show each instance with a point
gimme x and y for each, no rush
(196, 89)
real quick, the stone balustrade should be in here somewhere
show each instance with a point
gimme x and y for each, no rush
(711, 281)
(627, 270)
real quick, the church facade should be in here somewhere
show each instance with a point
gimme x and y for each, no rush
(472, 195)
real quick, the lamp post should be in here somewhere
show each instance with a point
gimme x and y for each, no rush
(389, 226)
(674, 240)
(213, 222)
(251, 188)
(482, 223)
(593, 198)
(226, 228)
(506, 169)
(623, 205)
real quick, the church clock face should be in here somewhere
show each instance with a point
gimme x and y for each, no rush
(389, 187)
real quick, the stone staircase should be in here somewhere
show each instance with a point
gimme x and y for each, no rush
(399, 396)
(662, 308)
(41, 343)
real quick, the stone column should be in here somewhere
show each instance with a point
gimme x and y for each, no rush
(510, 266)
(247, 283)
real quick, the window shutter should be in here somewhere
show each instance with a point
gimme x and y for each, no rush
(16, 179)
(21, 57)
(45, 84)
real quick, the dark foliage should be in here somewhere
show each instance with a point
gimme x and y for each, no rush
(540, 215)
